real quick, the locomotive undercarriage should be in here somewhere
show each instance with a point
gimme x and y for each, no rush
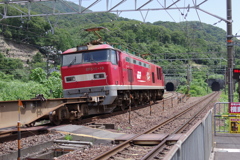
(68, 112)
(72, 112)
(124, 99)
(134, 98)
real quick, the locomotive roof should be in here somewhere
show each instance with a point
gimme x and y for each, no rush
(90, 47)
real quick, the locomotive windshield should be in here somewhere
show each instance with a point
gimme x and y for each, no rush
(89, 57)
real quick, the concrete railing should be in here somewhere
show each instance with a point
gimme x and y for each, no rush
(196, 143)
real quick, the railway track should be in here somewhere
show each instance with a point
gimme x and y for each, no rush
(8, 134)
(164, 102)
(136, 148)
(167, 101)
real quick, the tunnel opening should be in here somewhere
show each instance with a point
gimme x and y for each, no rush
(170, 86)
(215, 86)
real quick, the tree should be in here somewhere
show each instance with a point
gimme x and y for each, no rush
(38, 75)
(37, 58)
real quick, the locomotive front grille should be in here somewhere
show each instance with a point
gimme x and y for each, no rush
(109, 92)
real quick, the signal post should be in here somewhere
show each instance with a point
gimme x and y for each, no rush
(234, 107)
(236, 75)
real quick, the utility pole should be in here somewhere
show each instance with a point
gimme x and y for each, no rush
(207, 82)
(225, 80)
(238, 90)
(188, 78)
(229, 50)
(48, 52)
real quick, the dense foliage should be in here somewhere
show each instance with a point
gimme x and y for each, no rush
(18, 82)
(13, 89)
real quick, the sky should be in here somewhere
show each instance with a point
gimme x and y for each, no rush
(216, 7)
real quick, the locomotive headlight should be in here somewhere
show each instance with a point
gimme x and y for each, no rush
(98, 76)
(70, 79)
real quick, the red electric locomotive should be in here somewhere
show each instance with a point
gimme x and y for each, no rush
(122, 79)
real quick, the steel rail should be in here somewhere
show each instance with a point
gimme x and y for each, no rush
(159, 147)
(195, 116)
(127, 143)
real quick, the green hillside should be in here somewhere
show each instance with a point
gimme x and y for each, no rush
(171, 45)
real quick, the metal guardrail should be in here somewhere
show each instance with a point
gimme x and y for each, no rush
(196, 143)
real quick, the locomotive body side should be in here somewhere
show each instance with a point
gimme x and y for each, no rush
(142, 81)
(140, 74)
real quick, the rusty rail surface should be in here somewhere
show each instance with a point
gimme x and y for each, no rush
(161, 146)
(154, 154)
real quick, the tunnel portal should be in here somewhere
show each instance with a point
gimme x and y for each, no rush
(170, 86)
(215, 86)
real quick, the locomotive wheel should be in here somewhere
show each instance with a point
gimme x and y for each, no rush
(56, 121)
(122, 108)
(140, 102)
(54, 118)
(135, 104)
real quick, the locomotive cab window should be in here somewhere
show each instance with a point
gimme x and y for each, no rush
(89, 57)
(96, 56)
(71, 59)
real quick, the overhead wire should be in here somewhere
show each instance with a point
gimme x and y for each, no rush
(169, 15)
(201, 24)
(51, 8)
(115, 31)
(8, 25)
(132, 48)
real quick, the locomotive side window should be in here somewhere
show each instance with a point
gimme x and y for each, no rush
(134, 61)
(159, 72)
(153, 77)
(130, 75)
(113, 57)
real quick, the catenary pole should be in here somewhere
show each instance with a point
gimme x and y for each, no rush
(229, 50)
